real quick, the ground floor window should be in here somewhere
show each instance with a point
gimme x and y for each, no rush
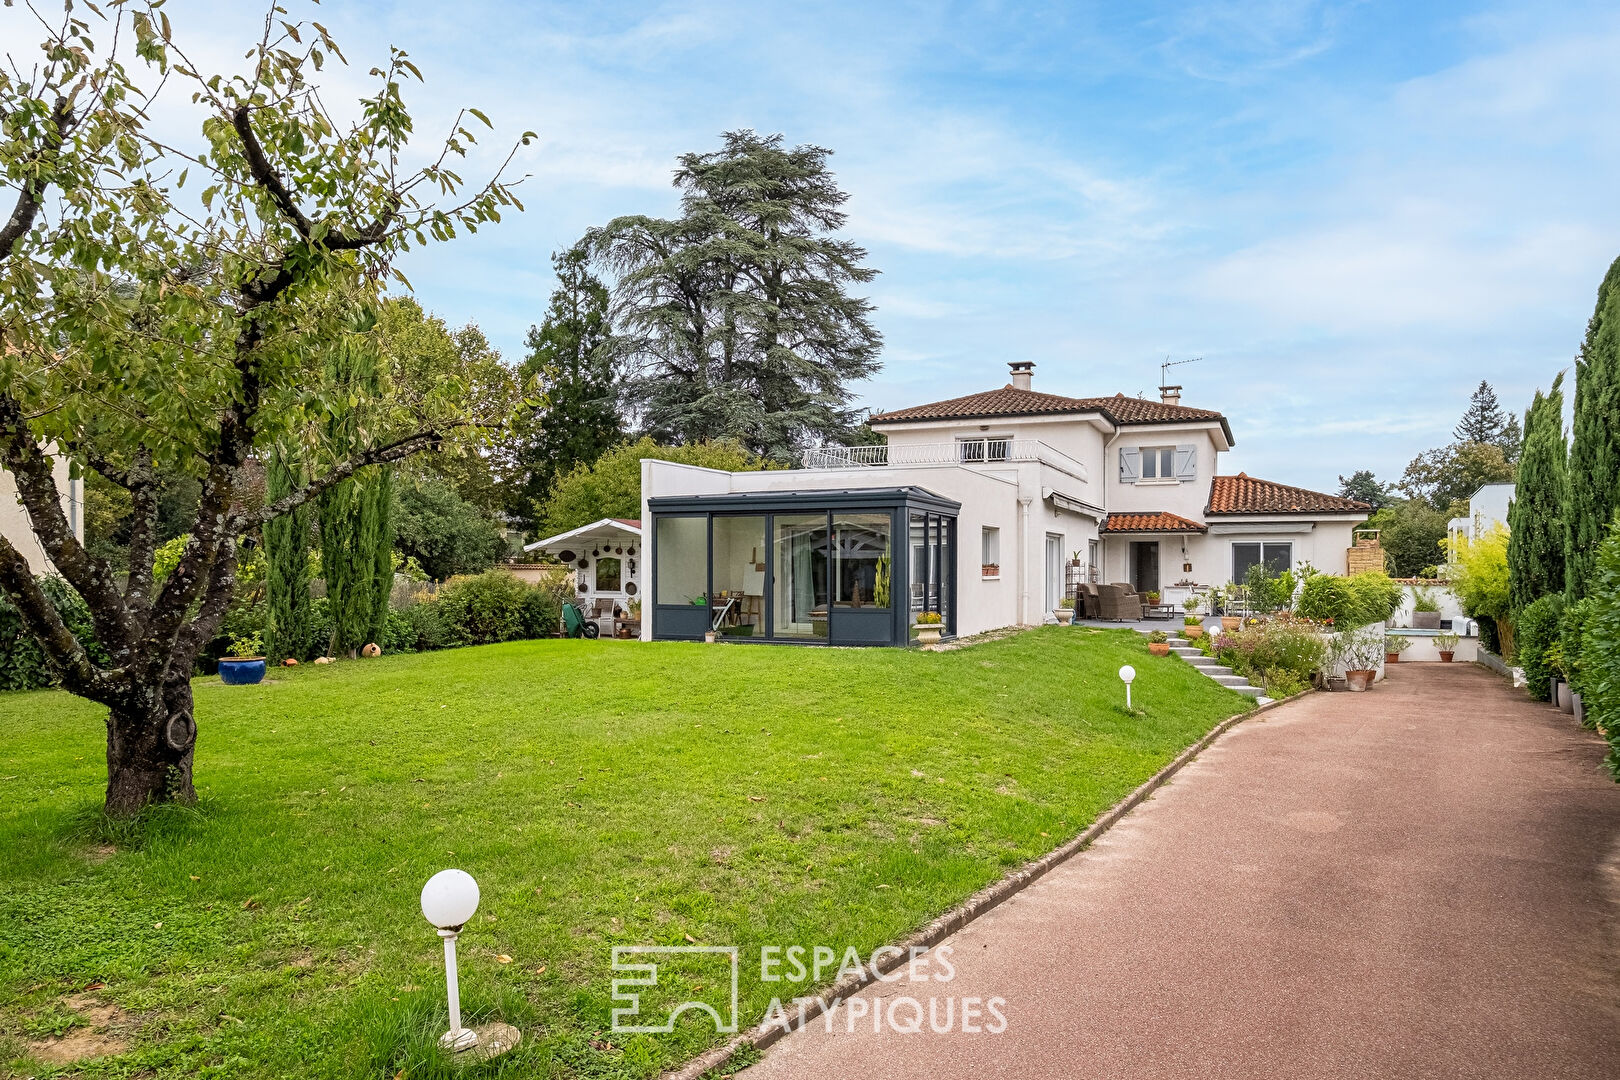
(932, 542)
(1276, 556)
(683, 560)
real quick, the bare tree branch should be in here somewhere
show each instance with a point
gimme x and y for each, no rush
(31, 467)
(381, 455)
(44, 622)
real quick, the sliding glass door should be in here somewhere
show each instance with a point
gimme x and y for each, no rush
(799, 598)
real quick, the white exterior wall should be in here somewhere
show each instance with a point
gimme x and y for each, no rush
(14, 524)
(1185, 498)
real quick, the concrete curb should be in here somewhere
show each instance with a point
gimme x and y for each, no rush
(986, 899)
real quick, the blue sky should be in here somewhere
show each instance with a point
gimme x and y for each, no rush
(1352, 211)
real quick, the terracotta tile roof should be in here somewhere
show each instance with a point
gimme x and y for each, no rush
(1009, 401)
(1159, 522)
(634, 523)
(1243, 494)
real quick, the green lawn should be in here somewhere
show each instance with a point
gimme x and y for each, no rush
(602, 793)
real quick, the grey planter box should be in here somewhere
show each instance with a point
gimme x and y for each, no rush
(1425, 620)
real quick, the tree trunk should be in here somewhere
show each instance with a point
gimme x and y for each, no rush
(149, 753)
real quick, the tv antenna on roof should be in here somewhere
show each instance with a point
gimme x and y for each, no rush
(1164, 369)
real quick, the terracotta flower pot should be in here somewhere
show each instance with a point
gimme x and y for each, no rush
(1230, 622)
(1159, 648)
(1445, 657)
(1192, 633)
(1392, 658)
(1358, 681)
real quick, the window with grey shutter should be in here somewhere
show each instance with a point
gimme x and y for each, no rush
(1186, 462)
(1130, 465)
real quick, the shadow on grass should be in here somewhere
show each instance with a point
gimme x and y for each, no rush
(90, 826)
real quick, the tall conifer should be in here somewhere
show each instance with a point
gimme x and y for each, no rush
(1594, 452)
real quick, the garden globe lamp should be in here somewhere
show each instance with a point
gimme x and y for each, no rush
(1126, 674)
(448, 901)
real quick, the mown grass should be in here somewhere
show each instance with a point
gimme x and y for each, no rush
(602, 793)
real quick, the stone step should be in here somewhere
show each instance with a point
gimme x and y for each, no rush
(1229, 679)
(1248, 691)
(1185, 650)
(1200, 660)
(1215, 671)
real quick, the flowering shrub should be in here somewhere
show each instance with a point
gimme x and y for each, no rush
(1281, 655)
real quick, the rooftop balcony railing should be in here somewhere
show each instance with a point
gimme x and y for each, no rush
(958, 452)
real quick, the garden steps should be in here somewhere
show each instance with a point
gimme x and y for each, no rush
(1180, 646)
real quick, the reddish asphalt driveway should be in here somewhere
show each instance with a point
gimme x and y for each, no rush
(1420, 881)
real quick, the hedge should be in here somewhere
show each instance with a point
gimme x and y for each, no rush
(1537, 632)
(1600, 651)
(1368, 597)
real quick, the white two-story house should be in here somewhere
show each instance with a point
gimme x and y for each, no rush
(987, 508)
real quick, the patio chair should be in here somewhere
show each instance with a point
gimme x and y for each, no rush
(1090, 604)
(1119, 602)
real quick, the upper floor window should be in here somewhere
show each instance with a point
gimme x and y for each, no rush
(983, 449)
(1158, 463)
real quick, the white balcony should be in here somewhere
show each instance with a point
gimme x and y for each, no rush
(971, 452)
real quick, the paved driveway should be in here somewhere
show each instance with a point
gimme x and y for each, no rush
(1420, 881)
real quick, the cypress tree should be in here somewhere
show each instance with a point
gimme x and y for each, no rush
(356, 514)
(1536, 515)
(286, 545)
(1594, 453)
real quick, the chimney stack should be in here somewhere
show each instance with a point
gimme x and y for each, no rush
(1170, 395)
(1022, 372)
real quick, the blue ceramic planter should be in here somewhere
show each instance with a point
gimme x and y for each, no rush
(241, 671)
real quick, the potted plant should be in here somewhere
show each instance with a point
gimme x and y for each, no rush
(1064, 612)
(1192, 627)
(1159, 643)
(1358, 652)
(990, 570)
(1190, 605)
(1447, 644)
(1153, 597)
(243, 663)
(928, 627)
(1425, 610)
(1394, 645)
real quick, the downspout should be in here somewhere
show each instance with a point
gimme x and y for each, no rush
(1023, 562)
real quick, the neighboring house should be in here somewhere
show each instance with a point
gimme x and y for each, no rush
(1486, 507)
(605, 557)
(14, 523)
(987, 508)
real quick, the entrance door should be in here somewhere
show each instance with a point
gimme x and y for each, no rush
(1145, 566)
(1054, 570)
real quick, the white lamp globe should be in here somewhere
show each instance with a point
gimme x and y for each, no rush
(1126, 674)
(449, 898)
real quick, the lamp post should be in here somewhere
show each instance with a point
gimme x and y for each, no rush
(1126, 674)
(449, 900)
